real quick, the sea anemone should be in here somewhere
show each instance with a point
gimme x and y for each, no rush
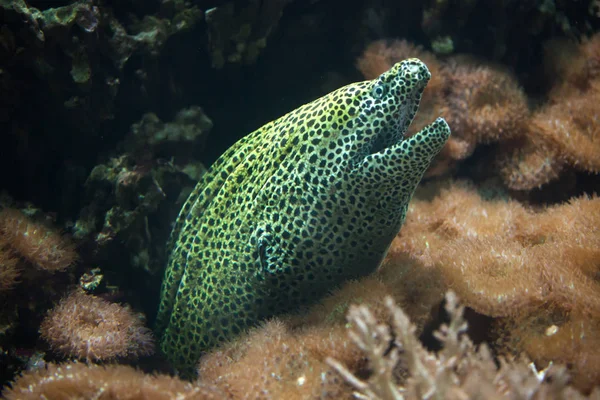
(36, 242)
(87, 327)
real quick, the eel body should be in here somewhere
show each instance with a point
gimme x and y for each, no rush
(293, 209)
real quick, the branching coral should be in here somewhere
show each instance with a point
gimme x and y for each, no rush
(117, 382)
(533, 269)
(35, 242)
(458, 371)
(89, 328)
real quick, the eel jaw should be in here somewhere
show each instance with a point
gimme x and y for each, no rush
(404, 162)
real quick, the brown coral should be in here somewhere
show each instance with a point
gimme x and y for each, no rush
(285, 358)
(570, 65)
(528, 162)
(563, 132)
(498, 254)
(116, 382)
(534, 269)
(483, 102)
(9, 270)
(274, 363)
(571, 126)
(86, 327)
(35, 242)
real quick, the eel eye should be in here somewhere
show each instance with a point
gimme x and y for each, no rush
(379, 90)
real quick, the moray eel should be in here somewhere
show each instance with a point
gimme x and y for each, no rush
(292, 210)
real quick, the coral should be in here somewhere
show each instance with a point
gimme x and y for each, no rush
(532, 269)
(88, 328)
(564, 65)
(571, 127)
(528, 162)
(117, 382)
(9, 269)
(563, 133)
(458, 371)
(181, 140)
(238, 33)
(590, 47)
(493, 252)
(133, 196)
(31, 252)
(571, 66)
(273, 362)
(484, 102)
(285, 357)
(35, 242)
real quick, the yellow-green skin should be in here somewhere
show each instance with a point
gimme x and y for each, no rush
(292, 210)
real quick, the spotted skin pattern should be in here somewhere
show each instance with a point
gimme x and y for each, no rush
(292, 210)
